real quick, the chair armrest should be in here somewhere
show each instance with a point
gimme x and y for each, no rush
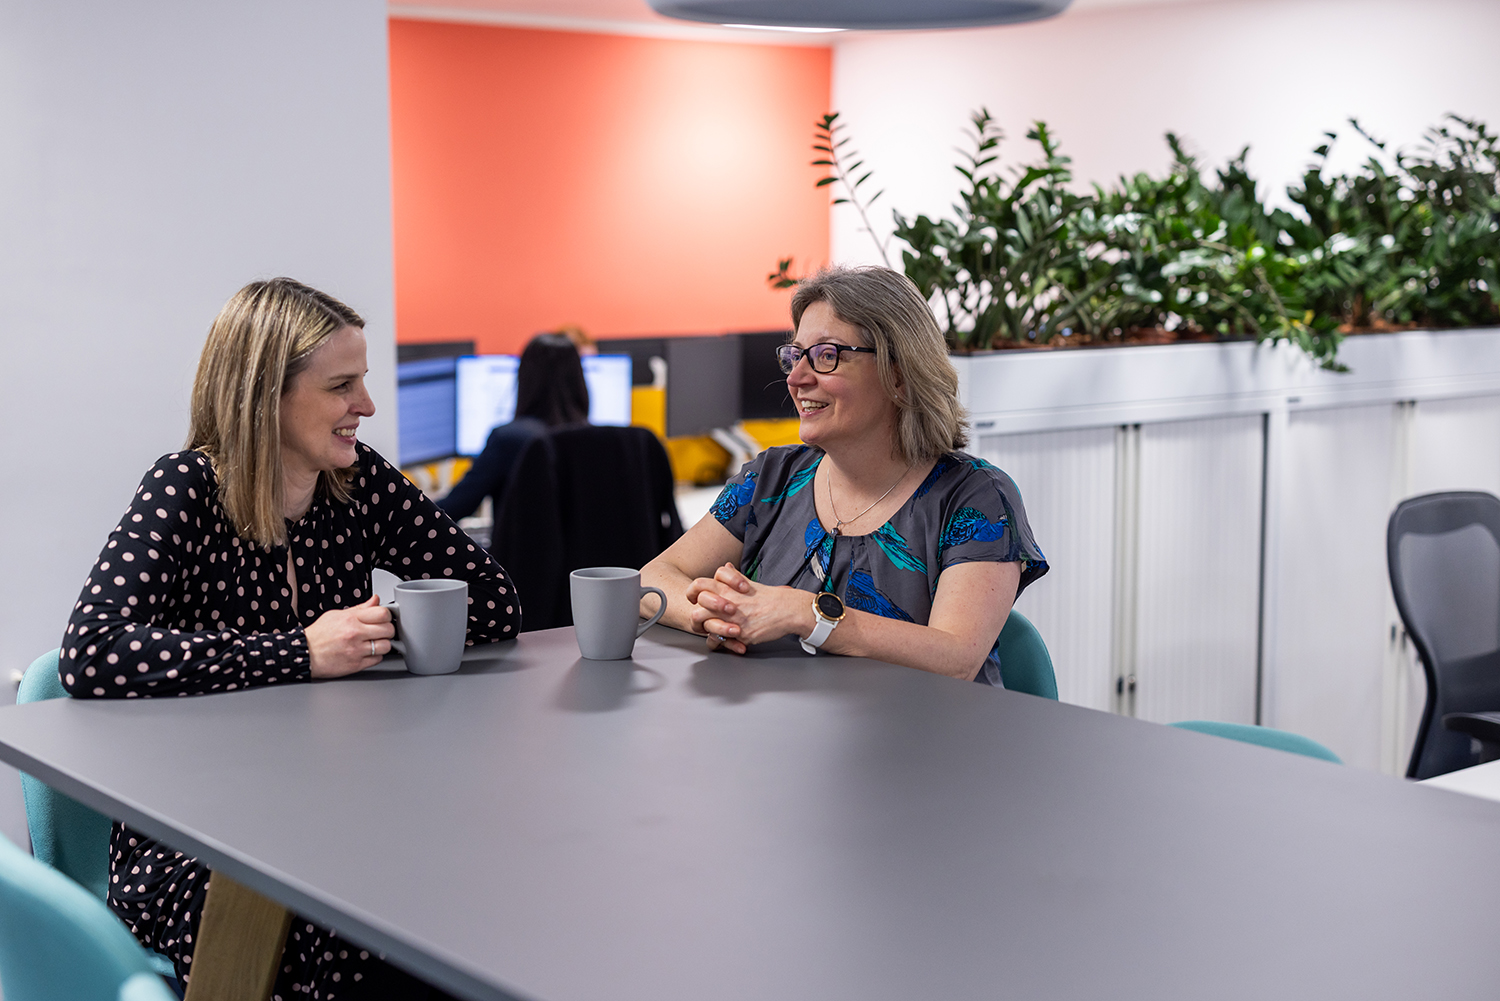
(1483, 727)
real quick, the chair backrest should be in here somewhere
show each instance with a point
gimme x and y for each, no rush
(1281, 740)
(1025, 664)
(583, 496)
(1443, 554)
(65, 834)
(56, 940)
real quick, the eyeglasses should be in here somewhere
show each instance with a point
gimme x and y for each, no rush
(823, 358)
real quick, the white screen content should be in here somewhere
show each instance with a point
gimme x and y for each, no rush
(608, 378)
(486, 396)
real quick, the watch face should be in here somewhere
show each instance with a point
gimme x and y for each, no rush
(830, 606)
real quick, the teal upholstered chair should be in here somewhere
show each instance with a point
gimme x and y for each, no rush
(65, 834)
(1025, 664)
(57, 941)
(1281, 740)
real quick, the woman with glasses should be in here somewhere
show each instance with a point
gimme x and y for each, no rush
(877, 537)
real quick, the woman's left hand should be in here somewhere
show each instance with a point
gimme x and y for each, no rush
(733, 611)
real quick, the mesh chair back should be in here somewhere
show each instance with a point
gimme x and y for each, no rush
(582, 496)
(1443, 553)
(56, 940)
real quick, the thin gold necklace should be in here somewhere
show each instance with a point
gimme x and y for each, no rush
(841, 522)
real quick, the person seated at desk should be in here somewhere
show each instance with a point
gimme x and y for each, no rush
(913, 551)
(244, 560)
(550, 392)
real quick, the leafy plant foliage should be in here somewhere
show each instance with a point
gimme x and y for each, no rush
(1410, 239)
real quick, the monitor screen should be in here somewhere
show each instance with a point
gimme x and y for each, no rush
(425, 395)
(486, 398)
(486, 394)
(703, 384)
(608, 378)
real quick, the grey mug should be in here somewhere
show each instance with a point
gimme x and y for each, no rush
(433, 618)
(607, 610)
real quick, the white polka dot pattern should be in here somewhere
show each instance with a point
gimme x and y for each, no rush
(178, 604)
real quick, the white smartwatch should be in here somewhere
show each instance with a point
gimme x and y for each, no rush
(828, 610)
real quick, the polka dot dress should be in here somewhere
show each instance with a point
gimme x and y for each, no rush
(178, 604)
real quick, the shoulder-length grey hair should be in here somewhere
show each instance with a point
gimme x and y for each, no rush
(910, 353)
(260, 341)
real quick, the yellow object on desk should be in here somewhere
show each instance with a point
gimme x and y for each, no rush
(437, 478)
(770, 433)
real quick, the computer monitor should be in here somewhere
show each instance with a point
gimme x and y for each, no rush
(703, 384)
(609, 380)
(763, 393)
(486, 398)
(486, 394)
(425, 407)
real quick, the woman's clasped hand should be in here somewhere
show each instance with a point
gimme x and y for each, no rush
(733, 611)
(876, 537)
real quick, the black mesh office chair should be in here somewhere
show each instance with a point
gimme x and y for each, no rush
(1443, 552)
(582, 496)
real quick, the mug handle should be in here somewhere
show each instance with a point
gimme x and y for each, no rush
(659, 612)
(395, 610)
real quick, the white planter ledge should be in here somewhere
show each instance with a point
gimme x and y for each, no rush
(1015, 391)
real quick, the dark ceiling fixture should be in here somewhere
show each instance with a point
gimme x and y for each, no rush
(860, 14)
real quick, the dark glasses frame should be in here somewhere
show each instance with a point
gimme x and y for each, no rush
(788, 355)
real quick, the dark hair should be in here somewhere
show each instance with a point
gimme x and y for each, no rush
(549, 383)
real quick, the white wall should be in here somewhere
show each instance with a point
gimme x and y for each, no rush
(1110, 82)
(154, 157)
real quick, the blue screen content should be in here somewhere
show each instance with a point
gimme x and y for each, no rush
(486, 394)
(426, 396)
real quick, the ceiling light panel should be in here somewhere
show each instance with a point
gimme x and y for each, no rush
(860, 14)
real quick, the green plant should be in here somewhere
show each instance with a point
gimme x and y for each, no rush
(1010, 264)
(1416, 245)
(1024, 259)
(829, 142)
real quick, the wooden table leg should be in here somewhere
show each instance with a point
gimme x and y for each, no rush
(239, 944)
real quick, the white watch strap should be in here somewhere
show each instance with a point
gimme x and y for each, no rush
(819, 634)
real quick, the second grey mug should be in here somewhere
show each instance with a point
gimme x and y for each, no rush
(434, 618)
(607, 610)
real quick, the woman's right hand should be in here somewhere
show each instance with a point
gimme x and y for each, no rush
(347, 640)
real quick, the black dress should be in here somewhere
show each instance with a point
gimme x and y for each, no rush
(177, 604)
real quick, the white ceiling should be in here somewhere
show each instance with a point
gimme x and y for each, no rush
(635, 16)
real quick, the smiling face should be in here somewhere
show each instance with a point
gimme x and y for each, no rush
(847, 405)
(322, 405)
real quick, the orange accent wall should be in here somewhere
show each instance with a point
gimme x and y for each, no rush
(632, 186)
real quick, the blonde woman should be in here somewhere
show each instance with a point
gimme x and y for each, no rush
(878, 537)
(245, 560)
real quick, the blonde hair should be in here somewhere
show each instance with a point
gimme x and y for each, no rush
(259, 342)
(894, 319)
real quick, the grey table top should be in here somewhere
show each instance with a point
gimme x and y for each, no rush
(696, 826)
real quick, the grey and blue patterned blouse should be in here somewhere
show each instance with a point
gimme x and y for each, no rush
(965, 511)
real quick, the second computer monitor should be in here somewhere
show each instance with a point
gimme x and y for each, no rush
(487, 394)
